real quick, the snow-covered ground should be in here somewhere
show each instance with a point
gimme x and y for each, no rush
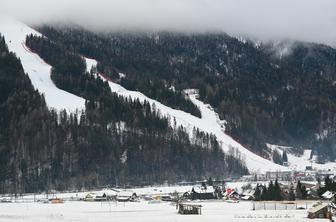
(299, 162)
(142, 211)
(38, 71)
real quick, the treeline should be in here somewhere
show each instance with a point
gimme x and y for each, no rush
(281, 159)
(265, 96)
(116, 141)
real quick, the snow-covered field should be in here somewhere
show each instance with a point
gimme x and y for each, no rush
(142, 211)
(38, 71)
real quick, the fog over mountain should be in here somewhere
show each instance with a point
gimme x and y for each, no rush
(307, 20)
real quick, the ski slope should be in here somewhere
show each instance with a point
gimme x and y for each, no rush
(209, 123)
(38, 71)
(299, 162)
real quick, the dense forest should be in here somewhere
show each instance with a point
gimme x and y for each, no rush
(268, 93)
(115, 141)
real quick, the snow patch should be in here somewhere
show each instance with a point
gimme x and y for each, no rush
(90, 64)
(122, 75)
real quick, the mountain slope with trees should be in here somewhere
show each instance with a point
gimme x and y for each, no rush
(116, 141)
(265, 95)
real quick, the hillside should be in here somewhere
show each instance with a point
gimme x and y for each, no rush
(268, 93)
(155, 107)
(114, 141)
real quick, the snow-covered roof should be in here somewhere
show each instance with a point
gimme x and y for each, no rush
(201, 189)
(246, 197)
(317, 208)
(125, 194)
(328, 195)
(248, 192)
(110, 192)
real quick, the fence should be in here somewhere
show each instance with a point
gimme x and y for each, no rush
(280, 205)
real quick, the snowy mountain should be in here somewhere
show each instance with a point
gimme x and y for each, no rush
(208, 121)
(39, 73)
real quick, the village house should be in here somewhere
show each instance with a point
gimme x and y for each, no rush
(202, 192)
(279, 175)
(125, 196)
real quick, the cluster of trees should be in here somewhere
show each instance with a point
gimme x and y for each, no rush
(329, 185)
(278, 158)
(274, 192)
(266, 97)
(115, 141)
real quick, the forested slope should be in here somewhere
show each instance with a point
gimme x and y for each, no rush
(116, 141)
(268, 93)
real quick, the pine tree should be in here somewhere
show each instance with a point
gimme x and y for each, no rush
(270, 190)
(257, 193)
(291, 194)
(210, 182)
(284, 157)
(277, 191)
(277, 157)
(301, 192)
(264, 193)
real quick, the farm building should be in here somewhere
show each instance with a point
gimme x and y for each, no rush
(320, 211)
(95, 197)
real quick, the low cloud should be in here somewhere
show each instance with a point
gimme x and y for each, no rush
(306, 20)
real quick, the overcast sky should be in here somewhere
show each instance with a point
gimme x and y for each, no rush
(307, 20)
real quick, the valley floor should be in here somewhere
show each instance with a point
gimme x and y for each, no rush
(142, 211)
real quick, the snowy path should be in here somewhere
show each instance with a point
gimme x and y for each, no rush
(38, 71)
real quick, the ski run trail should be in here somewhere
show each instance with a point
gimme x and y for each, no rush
(38, 71)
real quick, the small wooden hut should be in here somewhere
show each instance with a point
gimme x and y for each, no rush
(189, 209)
